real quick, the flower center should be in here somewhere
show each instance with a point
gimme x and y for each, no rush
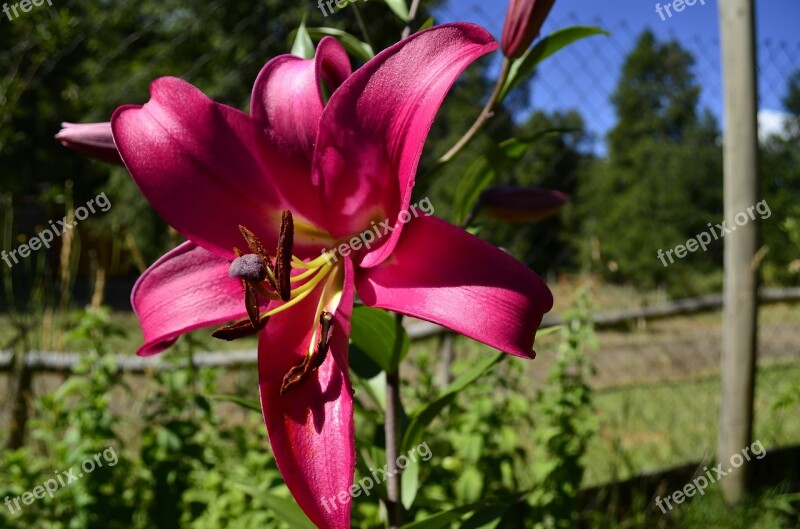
(260, 275)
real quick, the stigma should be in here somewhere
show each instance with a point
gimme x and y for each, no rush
(262, 276)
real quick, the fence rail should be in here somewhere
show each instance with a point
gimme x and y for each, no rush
(38, 361)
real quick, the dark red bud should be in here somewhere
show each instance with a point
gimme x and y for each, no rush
(524, 20)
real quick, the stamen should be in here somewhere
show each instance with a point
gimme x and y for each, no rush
(312, 361)
(239, 329)
(316, 263)
(257, 248)
(283, 259)
(302, 295)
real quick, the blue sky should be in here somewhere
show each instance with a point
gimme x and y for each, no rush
(585, 76)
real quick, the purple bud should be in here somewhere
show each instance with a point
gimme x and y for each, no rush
(91, 139)
(524, 19)
(250, 267)
(522, 204)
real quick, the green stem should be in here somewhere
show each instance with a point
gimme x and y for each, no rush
(362, 26)
(486, 114)
(412, 14)
(394, 505)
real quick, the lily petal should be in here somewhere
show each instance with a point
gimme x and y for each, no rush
(199, 164)
(287, 96)
(311, 427)
(92, 139)
(375, 125)
(464, 284)
(188, 288)
(287, 103)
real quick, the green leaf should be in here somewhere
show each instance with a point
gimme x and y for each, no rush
(400, 8)
(441, 519)
(355, 47)
(423, 416)
(380, 336)
(245, 403)
(410, 483)
(478, 177)
(287, 510)
(427, 25)
(486, 167)
(303, 47)
(524, 66)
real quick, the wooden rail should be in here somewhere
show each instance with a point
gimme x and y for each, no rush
(38, 361)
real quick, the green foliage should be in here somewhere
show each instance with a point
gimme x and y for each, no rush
(661, 183)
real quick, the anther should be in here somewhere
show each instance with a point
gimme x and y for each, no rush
(283, 258)
(312, 361)
(240, 329)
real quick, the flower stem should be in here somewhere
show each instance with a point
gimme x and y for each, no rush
(362, 26)
(412, 14)
(486, 114)
(394, 505)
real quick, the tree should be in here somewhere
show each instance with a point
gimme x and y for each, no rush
(662, 180)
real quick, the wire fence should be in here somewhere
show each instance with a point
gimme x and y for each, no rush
(643, 344)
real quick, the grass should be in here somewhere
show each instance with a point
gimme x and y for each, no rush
(658, 426)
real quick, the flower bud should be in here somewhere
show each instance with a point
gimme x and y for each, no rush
(524, 20)
(521, 204)
(91, 139)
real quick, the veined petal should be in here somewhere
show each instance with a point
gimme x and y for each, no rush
(287, 103)
(198, 163)
(373, 130)
(187, 289)
(311, 427)
(443, 274)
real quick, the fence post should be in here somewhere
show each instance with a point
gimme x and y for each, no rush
(737, 32)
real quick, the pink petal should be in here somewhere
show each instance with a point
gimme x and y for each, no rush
(442, 274)
(287, 103)
(287, 96)
(311, 427)
(91, 139)
(198, 163)
(376, 123)
(187, 289)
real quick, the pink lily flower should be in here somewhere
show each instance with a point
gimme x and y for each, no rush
(342, 169)
(92, 139)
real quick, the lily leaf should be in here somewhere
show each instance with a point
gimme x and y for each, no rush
(422, 417)
(486, 167)
(399, 7)
(442, 519)
(427, 25)
(355, 47)
(380, 336)
(524, 66)
(244, 403)
(284, 508)
(303, 47)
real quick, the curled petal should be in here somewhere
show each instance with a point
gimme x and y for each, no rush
(199, 164)
(311, 426)
(187, 289)
(375, 125)
(443, 274)
(92, 139)
(287, 103)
